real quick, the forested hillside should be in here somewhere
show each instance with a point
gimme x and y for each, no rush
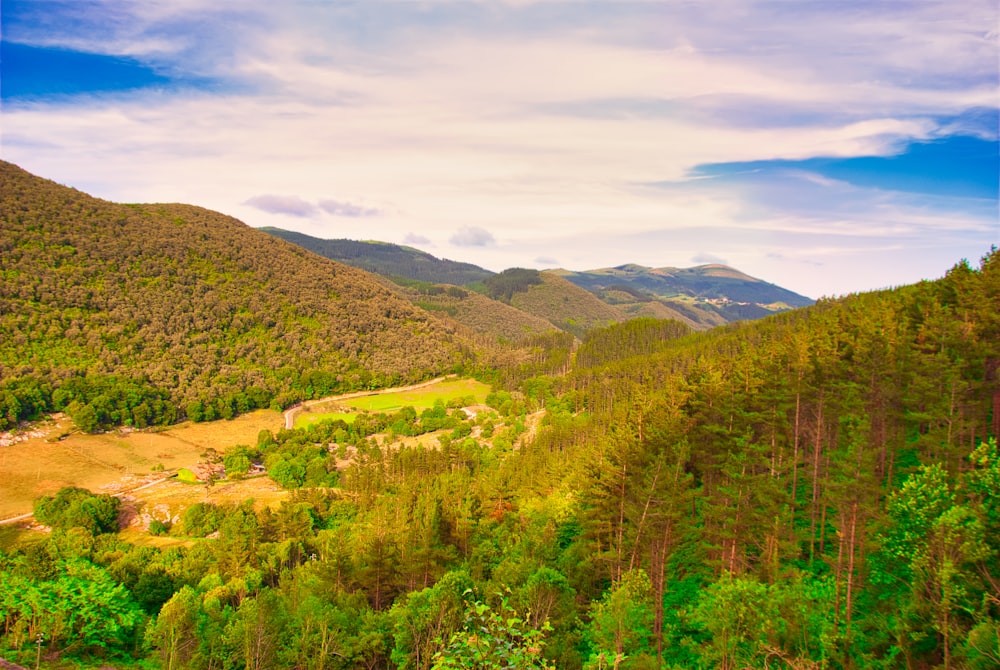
(815, 490)
(479, 312)
(702, 297)
(390, 260)
(567, 306)
(143, 314)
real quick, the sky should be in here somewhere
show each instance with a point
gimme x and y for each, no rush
(827, 147)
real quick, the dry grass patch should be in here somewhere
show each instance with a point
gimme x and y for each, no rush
(168, 500)
(112, 461)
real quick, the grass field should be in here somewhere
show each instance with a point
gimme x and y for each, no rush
(316, 414)
(113, 461)
(117, 461)
(420, 399)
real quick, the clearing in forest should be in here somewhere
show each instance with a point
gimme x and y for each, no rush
(420, 398)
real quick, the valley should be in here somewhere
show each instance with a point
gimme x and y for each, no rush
(125, 462)
(644, 473)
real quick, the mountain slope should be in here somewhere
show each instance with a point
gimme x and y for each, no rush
(565, 305)
(709, 282)
(481, 313)
(708, 295)
(389, 260)
(189, 308)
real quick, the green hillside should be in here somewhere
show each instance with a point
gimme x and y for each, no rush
(702, 297)
(480, 313)
(568, 307)
(389, 260)
(818, 489)
(142, 314)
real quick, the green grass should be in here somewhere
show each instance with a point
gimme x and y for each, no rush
(419, 399)
(423, 398)
(185, 475)
(307, 419)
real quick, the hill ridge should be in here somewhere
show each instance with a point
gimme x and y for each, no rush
(198, 314)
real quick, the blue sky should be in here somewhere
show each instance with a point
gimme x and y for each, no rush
(827, 147)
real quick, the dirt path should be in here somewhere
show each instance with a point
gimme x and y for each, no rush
(292, 412)
(15, 519)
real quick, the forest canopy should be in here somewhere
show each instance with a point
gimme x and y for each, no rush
(146, 314)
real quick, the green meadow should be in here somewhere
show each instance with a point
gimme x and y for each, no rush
(419, 399)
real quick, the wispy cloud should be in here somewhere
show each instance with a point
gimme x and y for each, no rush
(413, 238)
(708, 259)
(549, 121)
(473, 236)
(339, 208)
(282, 204)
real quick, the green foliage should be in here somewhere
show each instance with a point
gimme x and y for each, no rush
(503, 286)
(238, 460)
(621, 622)
(81, 610)
(636, 337)
(74, 507)
(201, 519)
(494, 638)
(139, 315)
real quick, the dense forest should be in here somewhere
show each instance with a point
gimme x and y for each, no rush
(147, 314)
(389, 260)
(818, 489)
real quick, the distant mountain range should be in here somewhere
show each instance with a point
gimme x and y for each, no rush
(703, 297)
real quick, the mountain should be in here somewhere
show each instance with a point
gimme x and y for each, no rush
(390, 260)
(701, 297)
(148, 313)
(695, 292)
(479, 312)
(566, 305)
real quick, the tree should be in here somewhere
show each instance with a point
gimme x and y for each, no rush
(621, 622)
(174, 631)
(494, 639)
(73, 506)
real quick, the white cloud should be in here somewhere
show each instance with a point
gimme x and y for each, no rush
(455, 121)
(340, 208)
(708, 259)
(282, 204)
(472, 236)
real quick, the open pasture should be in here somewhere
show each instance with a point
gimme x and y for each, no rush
(168, 500)
(114, 461)
(419, 398)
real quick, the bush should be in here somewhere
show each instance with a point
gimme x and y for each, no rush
(74, 507)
